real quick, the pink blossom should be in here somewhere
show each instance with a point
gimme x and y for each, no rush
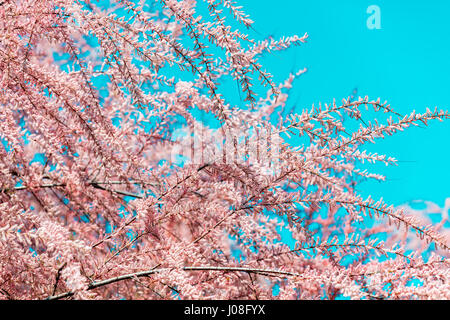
(112, 203)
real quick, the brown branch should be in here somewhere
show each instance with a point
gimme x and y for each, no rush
(95, 184)
(98, 284)
(58, 276)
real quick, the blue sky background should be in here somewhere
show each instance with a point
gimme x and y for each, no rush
(406, 62)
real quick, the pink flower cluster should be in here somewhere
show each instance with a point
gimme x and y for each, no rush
(107, 214)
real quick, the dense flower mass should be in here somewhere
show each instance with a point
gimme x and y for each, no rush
(100, 200)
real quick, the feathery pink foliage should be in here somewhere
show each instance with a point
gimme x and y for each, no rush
(102, 217)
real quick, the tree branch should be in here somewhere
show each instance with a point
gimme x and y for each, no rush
(98, 284)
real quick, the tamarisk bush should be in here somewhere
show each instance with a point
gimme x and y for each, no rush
(99, 199)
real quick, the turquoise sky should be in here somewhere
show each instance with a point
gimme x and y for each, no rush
(406, 62)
